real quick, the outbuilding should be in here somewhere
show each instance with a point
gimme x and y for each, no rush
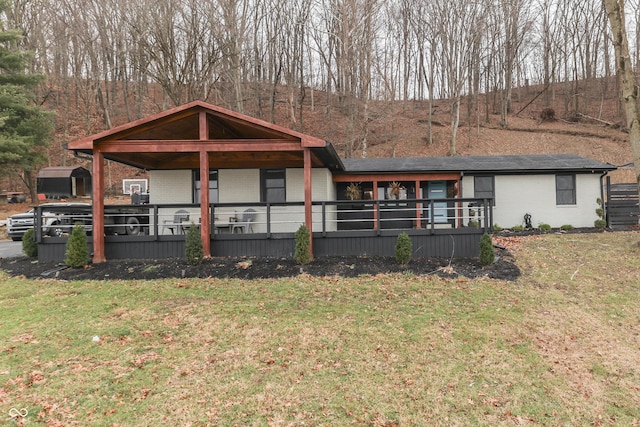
(59, 182)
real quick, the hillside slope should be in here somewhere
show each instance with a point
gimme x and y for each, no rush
(399, 129)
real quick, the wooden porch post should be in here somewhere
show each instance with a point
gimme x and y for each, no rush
(308, 207)
(205, 226)
(375, 205)
(98, 207)
(418, 206)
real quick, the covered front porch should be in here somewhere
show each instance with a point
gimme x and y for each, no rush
(206, 140)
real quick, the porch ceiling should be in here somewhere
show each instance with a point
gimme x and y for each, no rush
(217, 160)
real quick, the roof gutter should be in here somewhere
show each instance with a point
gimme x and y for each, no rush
(82, 156)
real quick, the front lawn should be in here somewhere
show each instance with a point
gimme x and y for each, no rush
(560, 346)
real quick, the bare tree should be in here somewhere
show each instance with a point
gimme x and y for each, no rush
(459, 25)
(513, 16)
(629, 96)
(426, 35)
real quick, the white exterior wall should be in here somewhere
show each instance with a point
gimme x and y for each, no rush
(517, 195)
(238, 185)
(241, 186)
(322, 189)
(171, 186)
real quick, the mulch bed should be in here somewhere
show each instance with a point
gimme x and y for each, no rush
(258, 268)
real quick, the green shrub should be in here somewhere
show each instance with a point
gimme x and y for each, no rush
(600, 223)
(544, 227)
(487, 256)
(77, 251)
(496, 227)
(302, 253)
(404, 248)
(518, 227)
(193, 251)
(566, 227)
(29, 245)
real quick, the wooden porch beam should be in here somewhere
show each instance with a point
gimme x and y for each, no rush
(212, 145)
(413, 177)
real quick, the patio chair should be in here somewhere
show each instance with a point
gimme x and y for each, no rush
(244, 224)
(176, 225)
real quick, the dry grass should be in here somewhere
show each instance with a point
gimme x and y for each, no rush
(559, 347)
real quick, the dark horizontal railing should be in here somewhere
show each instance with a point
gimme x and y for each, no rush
(157, 220)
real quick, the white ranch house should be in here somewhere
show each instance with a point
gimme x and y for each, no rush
(265, 181)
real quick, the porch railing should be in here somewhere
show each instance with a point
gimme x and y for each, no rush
(273, 218)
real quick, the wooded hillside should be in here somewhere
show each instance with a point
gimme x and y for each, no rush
(376, 78)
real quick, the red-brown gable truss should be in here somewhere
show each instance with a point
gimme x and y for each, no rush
(201, 136)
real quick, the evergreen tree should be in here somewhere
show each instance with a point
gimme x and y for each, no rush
(403, 248)
(77, 249)
(194, 253)
(302, 253)
(29, 245)
(487, 255)
(25, 128)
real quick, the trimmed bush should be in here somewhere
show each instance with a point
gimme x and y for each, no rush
(544, 227)
(77, 251)
(193, 251)
(302, 253)
(404, 249)
(600, 224)
(29, 245)
(518, 227)
(566, 227)
(487, 256)
(496, 227)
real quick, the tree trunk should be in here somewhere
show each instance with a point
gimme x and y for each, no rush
(615, 11)
(455, 121)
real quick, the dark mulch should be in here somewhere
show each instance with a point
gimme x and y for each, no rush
(256, 268)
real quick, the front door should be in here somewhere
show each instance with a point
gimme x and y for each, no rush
(438, 190)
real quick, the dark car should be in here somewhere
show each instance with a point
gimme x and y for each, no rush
(57, 219)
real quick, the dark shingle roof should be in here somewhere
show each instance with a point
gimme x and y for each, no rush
(58, 171)
(515, 164)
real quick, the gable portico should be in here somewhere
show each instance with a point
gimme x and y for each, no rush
(200, 136)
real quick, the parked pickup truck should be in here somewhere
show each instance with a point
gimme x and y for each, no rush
(59, 219)
(129, 220)
(56, 219)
